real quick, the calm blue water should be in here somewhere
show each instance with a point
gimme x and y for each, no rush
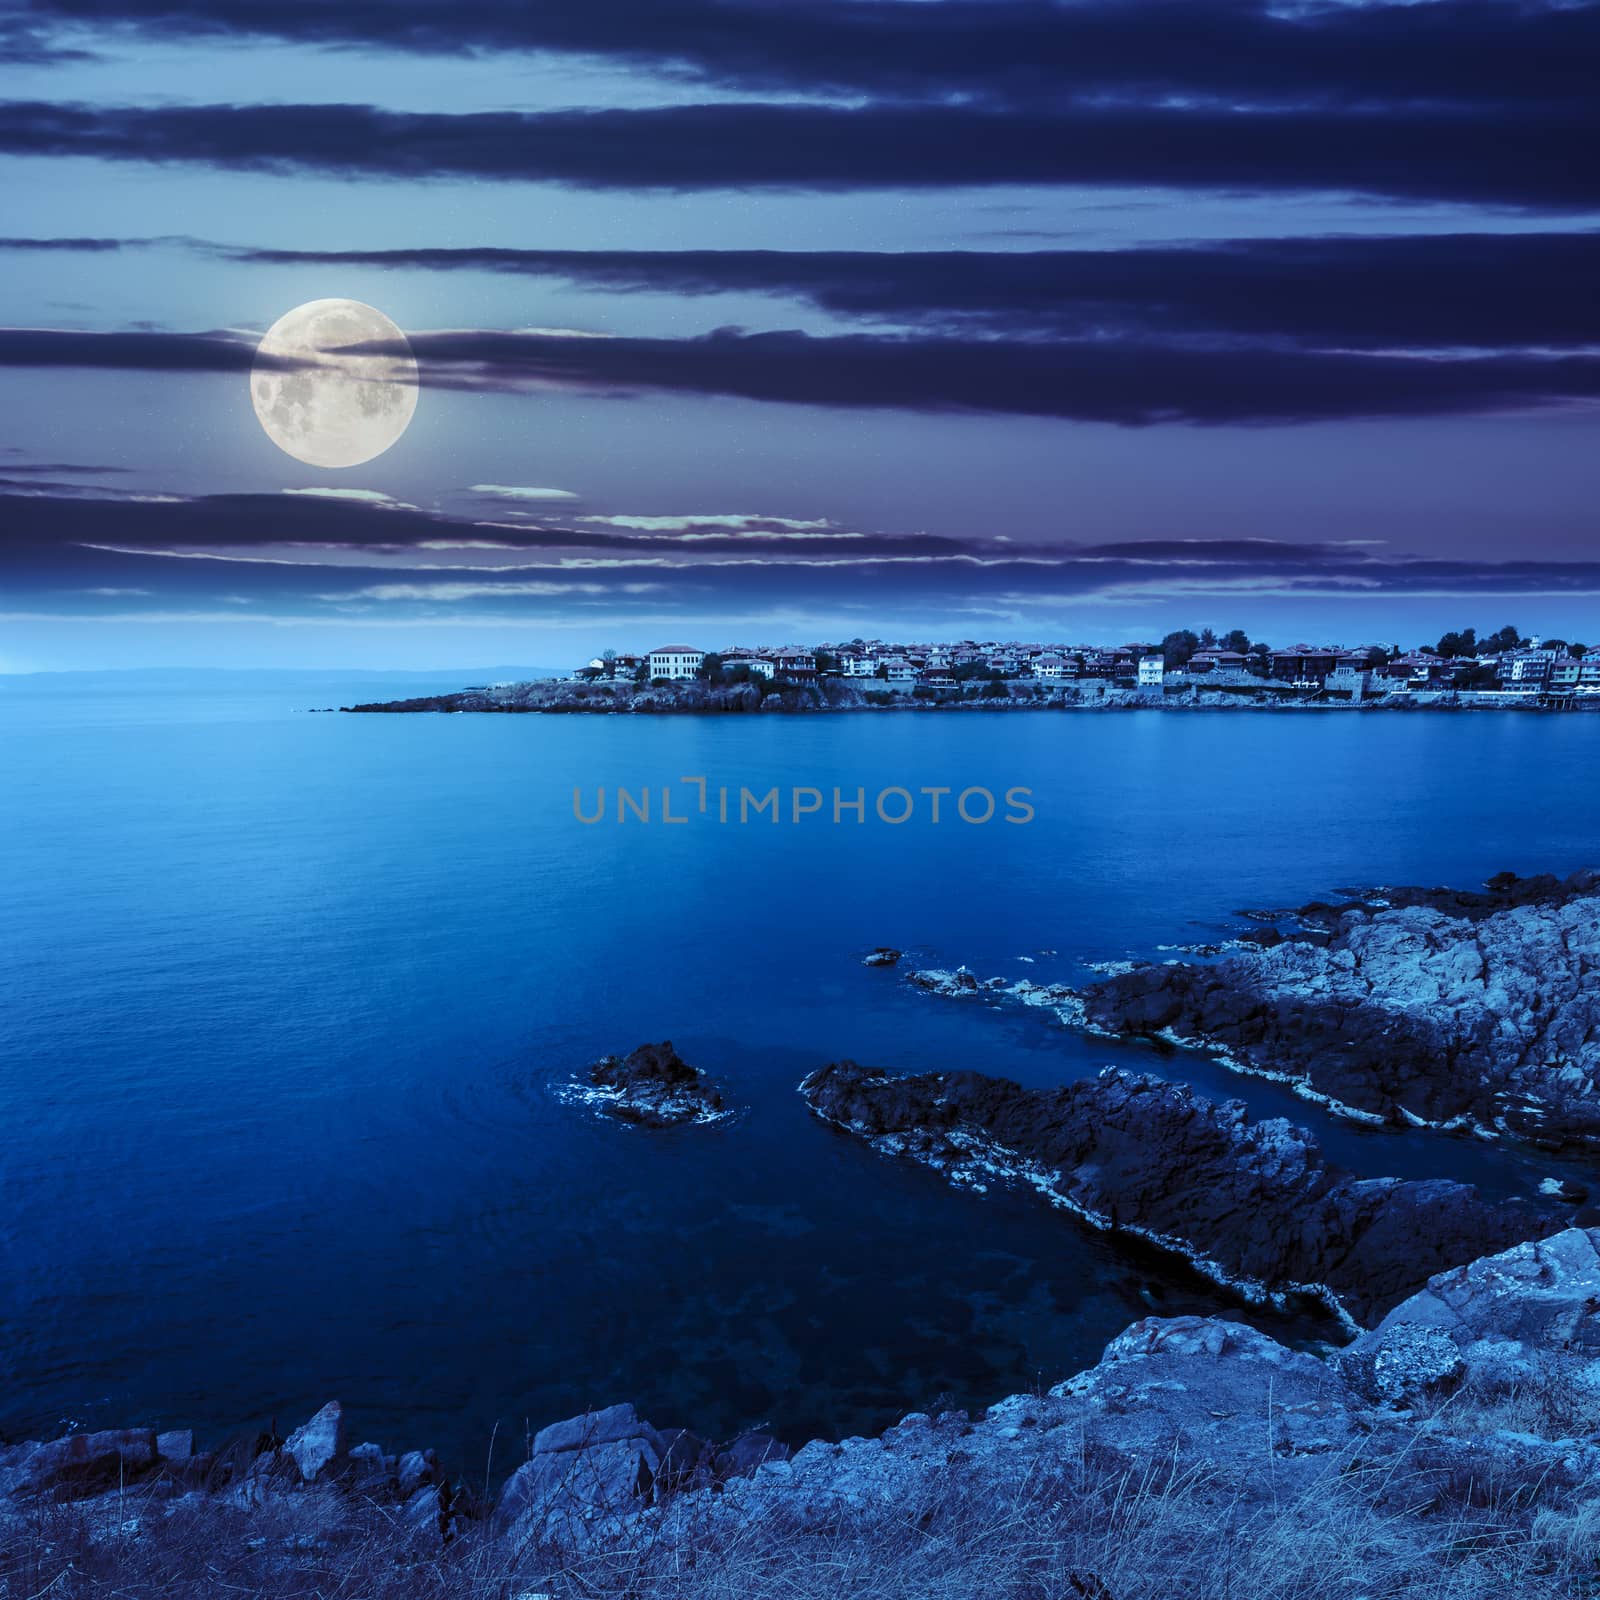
(284, 998)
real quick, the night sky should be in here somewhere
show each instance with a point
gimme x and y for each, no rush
(748, 321)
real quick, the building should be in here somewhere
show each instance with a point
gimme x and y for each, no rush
(1525, 671)
(1152, 672)
(1204, 661)
(1351, 676)
(1303, 666)
(899, 673)
(675, 661)
(1049, 666)
(797, 663)
(757, 666)
(1419, 669)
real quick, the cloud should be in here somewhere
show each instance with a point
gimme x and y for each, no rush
(370, 497)
(136, 350)
(507, 491)
(1461, 289)
(1130, 382)
(1521, 156)
(1230, 50)
(735, 522)
(458, 591)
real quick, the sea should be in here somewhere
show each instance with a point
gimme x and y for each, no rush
(289, 1001)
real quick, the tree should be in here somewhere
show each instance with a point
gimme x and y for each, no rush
(827, 661)
(711, 667)
(1177, 648)
(1208, 639)
(1508, 638)
(1237, 640)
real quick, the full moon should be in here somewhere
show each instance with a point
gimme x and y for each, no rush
(323, 401)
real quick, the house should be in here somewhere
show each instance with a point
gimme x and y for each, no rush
(756, 666)
(899, 673)
(1304, 666)
(1152, 671)
(675, 661)
(613, 666)
(1208, 661)
(1525, 671)
(1419, 668)
(1049, 666)
(857, 666)
(797, 663)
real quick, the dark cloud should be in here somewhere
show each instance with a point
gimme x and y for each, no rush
(239, 521)
(140, 351)
(52, 556)
(1485, 290)
(1229, 50)
(1128, 382)
(1522, 157)
(78, 246)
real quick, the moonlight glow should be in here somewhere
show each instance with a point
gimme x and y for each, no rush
(324, 404)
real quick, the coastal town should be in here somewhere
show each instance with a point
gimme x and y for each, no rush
(1506, 667)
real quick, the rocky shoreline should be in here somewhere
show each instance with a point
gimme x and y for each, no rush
(1469, 1012)
(1469, 1388)
(1470, 1410)
(560, 697)
(1253, 1205)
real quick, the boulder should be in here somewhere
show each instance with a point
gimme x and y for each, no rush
(318, 1445)
(883, 956)
(414, 1469)
(79, 1464)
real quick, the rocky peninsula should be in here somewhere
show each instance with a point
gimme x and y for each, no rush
(564, 697)
(1253, 1205)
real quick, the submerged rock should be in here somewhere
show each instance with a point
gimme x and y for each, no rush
(652, 1085)
(1430, 1007)
(1252, 1204)
(884, 956)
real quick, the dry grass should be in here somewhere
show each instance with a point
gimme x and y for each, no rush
(1074, 1530)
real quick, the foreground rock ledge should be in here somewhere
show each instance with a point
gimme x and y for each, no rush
(1453, 1446)
(1461, 1011)
(1253, 1205)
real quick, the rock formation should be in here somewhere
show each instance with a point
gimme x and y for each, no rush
(1450, 1010)
(652, 1085)
(1252, 1204)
